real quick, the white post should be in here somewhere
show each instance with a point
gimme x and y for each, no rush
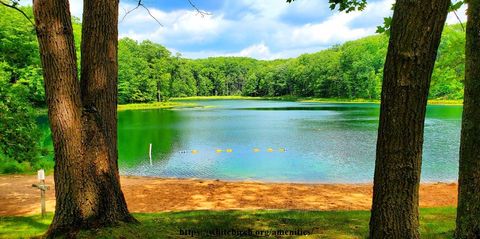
(150, 154)
(42, 187)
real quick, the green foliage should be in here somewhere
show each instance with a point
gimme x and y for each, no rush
(21, 87)
(345, 5)
(135, 83)
(352, 70)
(449, 71)
(144, 71)
(385, 28)
(19, 134)
(454, 6)
(19, 50)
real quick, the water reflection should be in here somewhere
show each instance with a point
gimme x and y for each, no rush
(324, 142)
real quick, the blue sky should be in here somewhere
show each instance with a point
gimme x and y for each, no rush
(263, 29)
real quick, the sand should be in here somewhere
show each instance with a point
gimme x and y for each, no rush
(144, 194)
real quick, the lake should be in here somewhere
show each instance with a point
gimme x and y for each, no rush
(275, 141)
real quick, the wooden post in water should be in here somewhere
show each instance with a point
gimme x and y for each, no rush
(43, 188)
(150, 154)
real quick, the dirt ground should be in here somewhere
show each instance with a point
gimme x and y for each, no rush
(17, 197)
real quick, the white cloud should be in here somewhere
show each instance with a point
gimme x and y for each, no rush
(333, 30)
(336, 28)
(260, 22)
(258, 51)
(264, 29)
(181, 26)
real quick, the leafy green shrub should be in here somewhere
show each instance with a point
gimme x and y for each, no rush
(19, 133)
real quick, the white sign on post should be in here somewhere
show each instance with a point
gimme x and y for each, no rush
(41, 174)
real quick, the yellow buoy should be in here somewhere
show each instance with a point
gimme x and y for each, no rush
(218, 150)
(256, 150)
(229, 150)
(270, 150)
(194, 151)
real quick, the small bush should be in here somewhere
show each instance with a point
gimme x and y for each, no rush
(20, 150)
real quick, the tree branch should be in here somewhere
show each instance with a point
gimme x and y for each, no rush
(460, 21)
(14, 6)
(140, 4)
(201, 12)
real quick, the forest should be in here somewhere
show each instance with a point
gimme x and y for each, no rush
(149, 72)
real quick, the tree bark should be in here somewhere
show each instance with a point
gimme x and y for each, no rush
(62, 90)
(468, 211)
(83, 116)
(415, 36)
(99, 82)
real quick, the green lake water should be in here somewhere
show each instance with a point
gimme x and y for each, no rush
(275, 141)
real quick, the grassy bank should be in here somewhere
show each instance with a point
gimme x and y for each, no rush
(327, 100)
(229, 97)
(156, 105)
(139, 106)
(445, 102)
(183, 102)
(435, 223)
(307, 99)
(277, 98)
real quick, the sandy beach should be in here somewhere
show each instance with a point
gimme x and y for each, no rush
(144, 194)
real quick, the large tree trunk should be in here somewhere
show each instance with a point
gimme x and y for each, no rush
(82, 114)
(99, 81)
(468, 211)
(415, 36)
(62, 89)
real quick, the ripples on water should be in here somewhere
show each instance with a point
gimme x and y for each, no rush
(325, 142)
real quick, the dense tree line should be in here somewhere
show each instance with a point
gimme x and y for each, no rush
(149, 72)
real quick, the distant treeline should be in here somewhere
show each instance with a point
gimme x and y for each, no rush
(148, 72)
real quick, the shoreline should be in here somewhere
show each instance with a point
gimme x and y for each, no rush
(151, 194)
(264, 181)
(183, 102)
(307, 99)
